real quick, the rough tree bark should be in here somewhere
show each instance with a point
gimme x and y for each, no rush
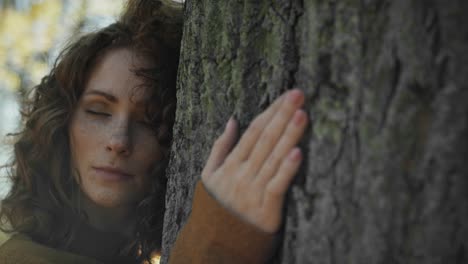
(385, 177)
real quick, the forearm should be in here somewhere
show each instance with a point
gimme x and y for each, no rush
(213, 234)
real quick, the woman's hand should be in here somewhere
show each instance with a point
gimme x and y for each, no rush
(252, 179)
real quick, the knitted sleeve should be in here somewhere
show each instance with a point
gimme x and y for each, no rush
(213, 234)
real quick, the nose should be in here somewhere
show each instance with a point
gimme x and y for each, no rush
(119, 140)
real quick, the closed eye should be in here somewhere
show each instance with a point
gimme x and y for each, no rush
(91, 112)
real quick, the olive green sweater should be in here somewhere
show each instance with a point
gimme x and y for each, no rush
(212, 234)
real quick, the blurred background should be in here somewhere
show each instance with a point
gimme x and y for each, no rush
(32, 33)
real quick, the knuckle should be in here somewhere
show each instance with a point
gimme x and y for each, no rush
(242, 182)
(230, 163)
(294, 131)
(284, 114)
(255, 127)
(250, 166)
(268, 135)
(273, 191)
(240, 185)
(218, 143)
(269, 167)
(273, 160)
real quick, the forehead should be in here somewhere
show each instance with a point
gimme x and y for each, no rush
(114, 74)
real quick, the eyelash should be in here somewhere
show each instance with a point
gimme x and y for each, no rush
(96, 113)
(91, 112)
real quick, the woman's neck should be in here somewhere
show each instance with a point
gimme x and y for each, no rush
(117, 220)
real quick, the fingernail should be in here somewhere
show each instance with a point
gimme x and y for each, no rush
(294, 96)
(295, 154)
(299, 117)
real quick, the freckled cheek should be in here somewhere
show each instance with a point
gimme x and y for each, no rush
(85, 136)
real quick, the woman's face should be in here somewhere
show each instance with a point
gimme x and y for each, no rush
(113, 146)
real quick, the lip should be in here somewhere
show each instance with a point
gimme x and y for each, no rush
(112, 174)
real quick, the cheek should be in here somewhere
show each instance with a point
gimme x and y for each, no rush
(147, 151)
(84, 137)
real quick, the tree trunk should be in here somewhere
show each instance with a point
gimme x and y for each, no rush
(385, 174)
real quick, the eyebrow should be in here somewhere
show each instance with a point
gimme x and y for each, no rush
(111, 97)
(108, 96)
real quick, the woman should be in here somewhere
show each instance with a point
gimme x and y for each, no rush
(88, 174)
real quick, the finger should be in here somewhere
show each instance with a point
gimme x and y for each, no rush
(276, 188)
(221, 148)
(250, 136)
(273, 131)
(288, 140)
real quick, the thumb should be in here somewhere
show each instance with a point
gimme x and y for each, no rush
(221, 148)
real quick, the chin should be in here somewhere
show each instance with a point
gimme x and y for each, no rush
(111, 198)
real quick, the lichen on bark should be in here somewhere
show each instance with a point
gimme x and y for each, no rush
(384, 178)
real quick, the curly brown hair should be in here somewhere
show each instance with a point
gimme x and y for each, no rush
(43, 190)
